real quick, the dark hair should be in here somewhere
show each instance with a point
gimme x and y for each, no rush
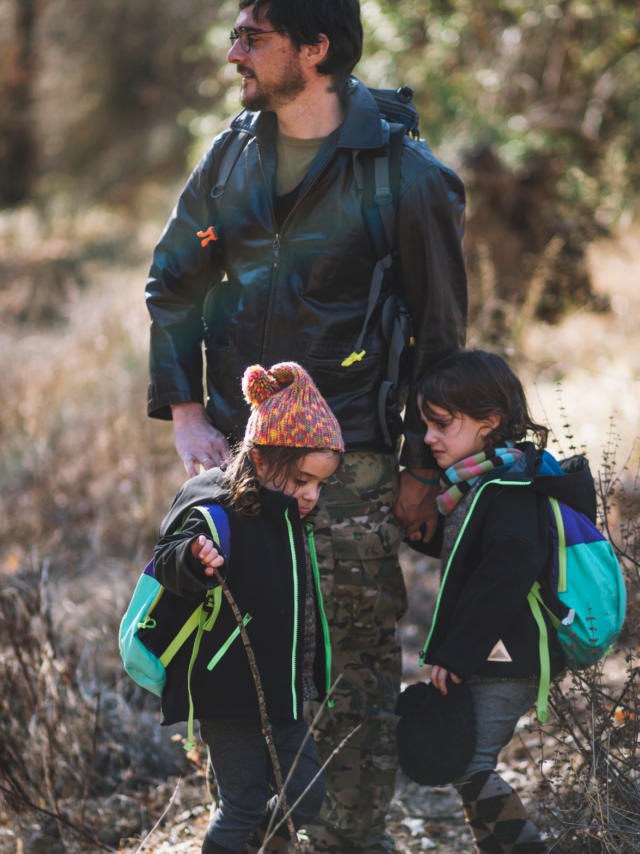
(480, 384)
(241, 479)
(304, 20)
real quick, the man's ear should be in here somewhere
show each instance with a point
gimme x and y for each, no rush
(315, 54)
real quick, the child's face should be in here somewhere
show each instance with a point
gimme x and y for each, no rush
(454, 437)
(314, 470)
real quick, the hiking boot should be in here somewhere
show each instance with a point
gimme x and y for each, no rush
(211, 847)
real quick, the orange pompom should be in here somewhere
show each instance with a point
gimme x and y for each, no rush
(258, 385)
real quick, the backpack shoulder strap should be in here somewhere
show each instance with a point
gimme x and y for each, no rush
(218, 523)
(216, 518)
(380, 192)
(229, 157)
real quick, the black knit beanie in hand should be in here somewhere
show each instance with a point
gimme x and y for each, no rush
(436, 735)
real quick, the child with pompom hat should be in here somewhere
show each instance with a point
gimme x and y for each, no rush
(292, 446)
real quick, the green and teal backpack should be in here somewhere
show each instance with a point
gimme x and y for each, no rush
(158, 623)
(589, 582)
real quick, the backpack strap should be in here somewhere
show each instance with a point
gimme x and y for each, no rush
(218, 523)
(229, 158)
(535, 600)
(378, 174)
(375, 173)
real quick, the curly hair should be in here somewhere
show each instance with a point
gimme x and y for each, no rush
(479, 384)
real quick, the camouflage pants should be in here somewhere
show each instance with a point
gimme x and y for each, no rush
(357, 541)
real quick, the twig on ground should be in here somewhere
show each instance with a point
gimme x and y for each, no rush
(148, 836)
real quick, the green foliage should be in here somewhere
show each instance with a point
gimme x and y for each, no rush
(528, 78)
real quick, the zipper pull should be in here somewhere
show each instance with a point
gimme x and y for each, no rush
(276, 252)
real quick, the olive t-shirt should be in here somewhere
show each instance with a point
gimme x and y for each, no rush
(294, 158)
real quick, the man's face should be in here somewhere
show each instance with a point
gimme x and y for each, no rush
(272, 72)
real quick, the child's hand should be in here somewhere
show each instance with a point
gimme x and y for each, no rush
(208, 554)
(439, 678)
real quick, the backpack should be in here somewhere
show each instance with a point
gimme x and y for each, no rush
(378, 177)
(588, 580)
(158, 623)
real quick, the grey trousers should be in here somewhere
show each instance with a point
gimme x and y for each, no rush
(245, 779)
(499, 704)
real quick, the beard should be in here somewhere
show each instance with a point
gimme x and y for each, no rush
(278, 93)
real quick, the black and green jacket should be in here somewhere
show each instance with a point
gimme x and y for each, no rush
(266, 575)
(505, 545)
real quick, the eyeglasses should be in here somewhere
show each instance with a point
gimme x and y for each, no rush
(247, 37)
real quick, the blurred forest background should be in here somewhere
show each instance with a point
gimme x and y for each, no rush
(104, 109)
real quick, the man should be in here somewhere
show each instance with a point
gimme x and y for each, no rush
(274, 262)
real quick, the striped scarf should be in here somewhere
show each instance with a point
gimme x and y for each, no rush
(458, 479)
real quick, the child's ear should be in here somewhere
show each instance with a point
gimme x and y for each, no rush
(490, 423)
(493, 421)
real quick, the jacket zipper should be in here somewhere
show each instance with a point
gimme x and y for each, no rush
(294, 637)
(276, 243)
(454, 550)
(323, 617)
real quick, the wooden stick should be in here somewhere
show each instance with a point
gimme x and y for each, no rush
(266, 723)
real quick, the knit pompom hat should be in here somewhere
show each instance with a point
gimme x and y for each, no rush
(287, 409)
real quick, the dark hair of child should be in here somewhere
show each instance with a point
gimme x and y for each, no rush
(480, 384)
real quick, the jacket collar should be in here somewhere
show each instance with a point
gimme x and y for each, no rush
(275, 504)
(360, 129)
(570, 481)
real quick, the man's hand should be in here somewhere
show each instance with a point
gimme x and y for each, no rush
(197, 441)
(439, 678)
(416, 504)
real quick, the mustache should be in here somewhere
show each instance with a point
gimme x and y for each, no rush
(242, 69)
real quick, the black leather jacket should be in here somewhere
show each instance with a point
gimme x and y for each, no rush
(259, 295)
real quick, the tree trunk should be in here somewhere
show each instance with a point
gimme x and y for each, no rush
(17, 149)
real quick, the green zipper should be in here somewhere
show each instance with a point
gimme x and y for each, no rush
(423, 654)
(323, 617)
(294, 640)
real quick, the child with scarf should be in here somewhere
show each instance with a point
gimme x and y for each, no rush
(494, 541)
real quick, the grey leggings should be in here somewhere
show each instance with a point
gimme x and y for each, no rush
(498, 705)
(244, 775)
